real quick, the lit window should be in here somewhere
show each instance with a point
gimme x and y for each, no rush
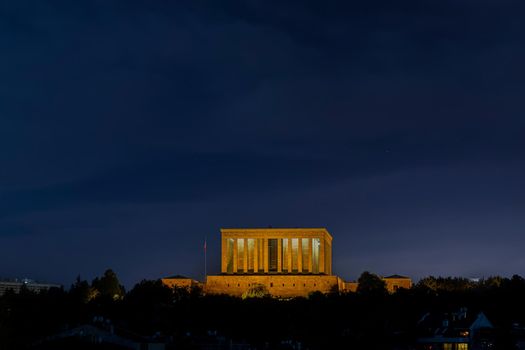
(462, 346)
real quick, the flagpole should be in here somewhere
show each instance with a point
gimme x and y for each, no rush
(205, 251)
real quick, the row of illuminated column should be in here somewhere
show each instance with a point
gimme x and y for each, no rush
(275, 255)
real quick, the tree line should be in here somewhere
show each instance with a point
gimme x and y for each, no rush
(370, 318)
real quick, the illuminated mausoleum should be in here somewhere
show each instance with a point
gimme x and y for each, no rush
(288, 262)
(276, 251)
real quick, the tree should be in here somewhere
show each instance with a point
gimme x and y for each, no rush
(150, 292)
(108, 285)
(369, 283)
(447, 284)
(256, 291)
(80, 290)
(492, 282)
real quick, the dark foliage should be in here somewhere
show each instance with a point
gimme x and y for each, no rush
(371, 284)
(369, 319)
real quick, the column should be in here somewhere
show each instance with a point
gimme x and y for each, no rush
(279, 255)
(329, 260)
(245, 260)
(224, 255)
(321, 256)
(289, 255)
(265, 251)
(261, 254)
(235, 255)
(310, 255)
(256, 255)
(300, 255)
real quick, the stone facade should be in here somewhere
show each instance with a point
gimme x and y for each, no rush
(394, 282)
(288, 262)
(282, 286)
(181, 282)
(350, 287)
(276, 250)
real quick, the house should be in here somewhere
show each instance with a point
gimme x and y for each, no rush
(458, 330)
(100, 334)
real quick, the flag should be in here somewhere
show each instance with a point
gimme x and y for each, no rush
(205, 272)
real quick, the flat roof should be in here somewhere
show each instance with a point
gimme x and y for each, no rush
(278, 229)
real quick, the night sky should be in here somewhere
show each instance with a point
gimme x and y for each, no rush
(132, 130)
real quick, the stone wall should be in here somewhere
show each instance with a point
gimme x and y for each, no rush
(350, 286)
(393, 284)
(285, 286)
(180, 282)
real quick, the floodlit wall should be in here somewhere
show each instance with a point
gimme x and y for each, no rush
(180, 282)
(277, 285)
(393, 284)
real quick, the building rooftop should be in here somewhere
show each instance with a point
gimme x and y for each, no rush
(178, 277)
(236, 230)
(396, 277)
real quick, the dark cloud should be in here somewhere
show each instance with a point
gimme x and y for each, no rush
(133, 129)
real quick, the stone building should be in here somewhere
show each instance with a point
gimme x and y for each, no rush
(288, 262)
(181, 282)
(274, 250)
(394, 282)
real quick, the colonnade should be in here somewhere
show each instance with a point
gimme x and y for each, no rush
(282, 255)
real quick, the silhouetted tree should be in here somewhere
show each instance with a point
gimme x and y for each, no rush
(370, 283)
(492, 282)
(379, 320)
(150, 292)
(148, 306)
(108, 286)
(80, 291)
(448, 284)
